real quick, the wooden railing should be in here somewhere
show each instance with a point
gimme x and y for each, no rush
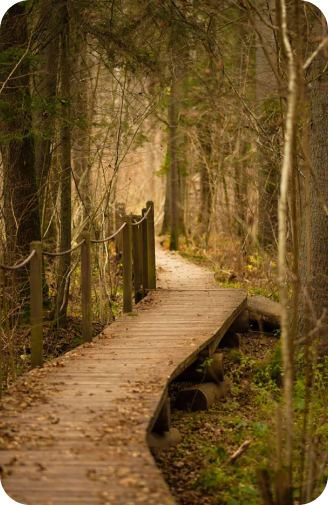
(136, 237)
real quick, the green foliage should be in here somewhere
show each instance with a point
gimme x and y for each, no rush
(205, 365)
(212, 478)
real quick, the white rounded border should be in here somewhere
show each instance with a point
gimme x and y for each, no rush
(4, 498)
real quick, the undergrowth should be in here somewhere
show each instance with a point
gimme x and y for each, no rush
(198, 470)
(256, 271)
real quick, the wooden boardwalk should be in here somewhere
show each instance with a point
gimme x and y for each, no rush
(75, 431)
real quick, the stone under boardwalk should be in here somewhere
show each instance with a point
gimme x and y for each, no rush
(75, 431)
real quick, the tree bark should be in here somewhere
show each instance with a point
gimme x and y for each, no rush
(204, 135)
(45, 96)
(167, 206)
(21, 212)
(266, 88)
(318, 151)
(174, 179)
(81, 143)
(65, 207)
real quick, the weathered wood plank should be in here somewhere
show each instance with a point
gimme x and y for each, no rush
(77, 428)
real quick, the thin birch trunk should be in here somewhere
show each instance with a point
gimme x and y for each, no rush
(287, 344)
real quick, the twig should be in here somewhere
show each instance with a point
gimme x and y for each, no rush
(238, 452)
(315, 53)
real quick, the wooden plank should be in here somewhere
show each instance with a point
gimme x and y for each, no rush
(103, 397)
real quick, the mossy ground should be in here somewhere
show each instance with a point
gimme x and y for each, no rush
(197, 470)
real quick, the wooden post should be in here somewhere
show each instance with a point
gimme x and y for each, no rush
(36, 305)
(163, 421)
(86, 287)
(137, 260)
(144, 253)
(127, 265)
(151, 247)
(119, 220)
(140, 254)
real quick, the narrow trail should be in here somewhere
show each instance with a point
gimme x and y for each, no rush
(75, 431)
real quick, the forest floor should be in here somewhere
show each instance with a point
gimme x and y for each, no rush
(197, 470)
(256, 271)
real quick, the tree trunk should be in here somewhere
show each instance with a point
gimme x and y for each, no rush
(174, 179)
(266, 88)
(204, 217)
(81, 141)
(65, 206)
(167, 206)
(21, 212)
(318, 151)
(45, 96)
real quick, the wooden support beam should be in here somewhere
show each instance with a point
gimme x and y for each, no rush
(202, 396)
(36, 305)
(86, 287)
(165, 440)
(127, 265)
(214, 373)
(240, 324)
(230, 341)
(163, 436)
(151, 247)
(163, 421)
(208, 351)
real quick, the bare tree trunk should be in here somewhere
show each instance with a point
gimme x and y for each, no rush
(45, 93)
(81, 140)
(21, 212)
(167, 203)
(266, 87)
(204, 217)
(65, 206)
(174, 179)
(288, 159)
(317, 279)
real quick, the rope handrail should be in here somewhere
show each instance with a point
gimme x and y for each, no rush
(135, 223)
(20, 265)
(138, 249)
(46, 253)
(109, 238)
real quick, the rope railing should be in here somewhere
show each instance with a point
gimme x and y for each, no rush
(46, 253)
(144, 217)
(20, 265)
(109, 238)
(137, 245)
